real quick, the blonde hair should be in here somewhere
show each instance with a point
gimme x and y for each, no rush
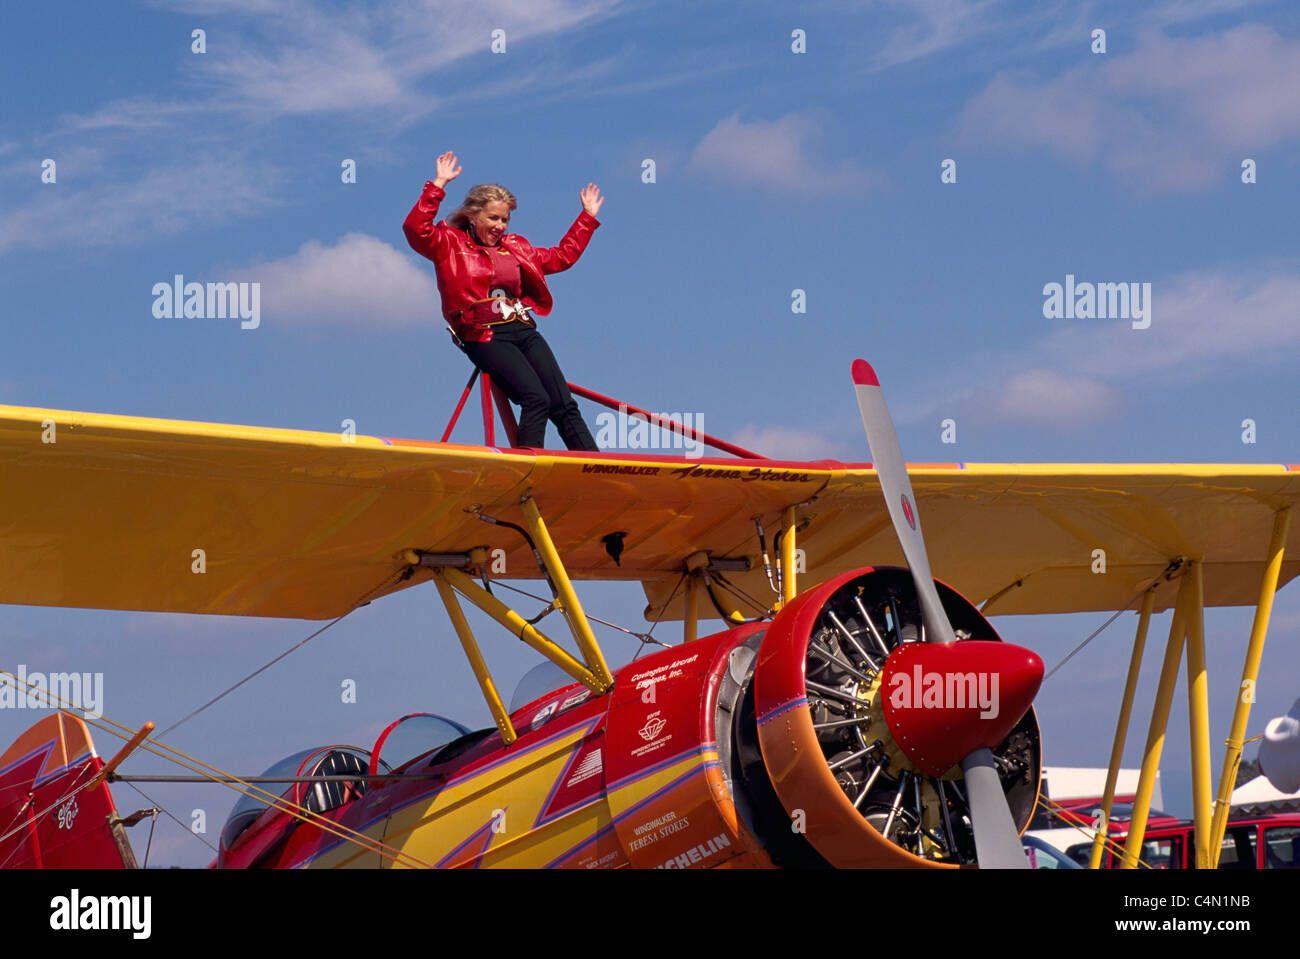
(476, 199)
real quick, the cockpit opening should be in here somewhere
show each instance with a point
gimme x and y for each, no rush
(315, 797)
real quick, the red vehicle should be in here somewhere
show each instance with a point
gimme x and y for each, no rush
(1257, 842)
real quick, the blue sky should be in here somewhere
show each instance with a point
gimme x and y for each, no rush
(775, 171)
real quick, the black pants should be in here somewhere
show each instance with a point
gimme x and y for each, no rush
(520, 361)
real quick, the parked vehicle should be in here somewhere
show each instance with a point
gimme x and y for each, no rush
(1257, 842)
(1043, 855)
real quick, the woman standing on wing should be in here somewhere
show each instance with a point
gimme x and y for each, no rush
(490, 281)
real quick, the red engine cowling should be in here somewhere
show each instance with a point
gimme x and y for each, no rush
(860, 725)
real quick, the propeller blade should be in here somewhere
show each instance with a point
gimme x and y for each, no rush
(997, 844)
(887, 458)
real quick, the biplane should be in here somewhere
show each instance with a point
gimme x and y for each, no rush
(853, 710)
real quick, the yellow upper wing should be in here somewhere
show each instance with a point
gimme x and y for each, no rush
(121, 512)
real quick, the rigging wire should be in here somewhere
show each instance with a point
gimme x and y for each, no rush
(272, 800)
(736, 592)
(280, 804)
(148, 846)
(740, 593)
(713, 597)
(1163, 577)
(166, 812)
(662, 609)
(50, 808)
(643, 637)
(361, 601)
(1108, 841)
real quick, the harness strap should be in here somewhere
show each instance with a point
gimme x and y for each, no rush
(486, 312)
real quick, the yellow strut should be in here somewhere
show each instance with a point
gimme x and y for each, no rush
(1249, 675)
(787, 557)
(570, 605)
(1198, 714)
(1156, 731)
(1121, 728)
(520, 627)
(475, 657)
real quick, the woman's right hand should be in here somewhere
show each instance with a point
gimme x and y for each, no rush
(448, 169)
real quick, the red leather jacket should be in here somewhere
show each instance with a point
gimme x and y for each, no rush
(464, 268)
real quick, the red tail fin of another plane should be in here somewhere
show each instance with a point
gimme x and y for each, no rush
(49, 818)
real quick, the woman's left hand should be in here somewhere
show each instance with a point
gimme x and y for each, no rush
(591, 199)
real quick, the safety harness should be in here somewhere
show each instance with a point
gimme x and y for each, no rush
(493, 311)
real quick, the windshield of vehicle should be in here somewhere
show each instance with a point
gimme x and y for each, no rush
(1282, 847)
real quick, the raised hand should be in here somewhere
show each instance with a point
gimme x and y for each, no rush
(591, 199)
(448, 169)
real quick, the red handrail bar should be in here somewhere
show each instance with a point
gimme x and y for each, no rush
(656, 420)
(512, 427)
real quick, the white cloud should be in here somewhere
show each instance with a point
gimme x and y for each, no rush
(359, 281)
(295, 57)
(935, 26)
(133, 115)
(265, 60)
(1002, 31)
(1187, 11)
(1201, 322)
(329, 69)
(776, 154)
(792, 443)
(1204, 324)
(1047, 398)
(292, 57)
(1176, 113)
(162, 202)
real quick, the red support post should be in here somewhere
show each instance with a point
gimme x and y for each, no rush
(489, 423)
(507, 414)
(446, 434)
